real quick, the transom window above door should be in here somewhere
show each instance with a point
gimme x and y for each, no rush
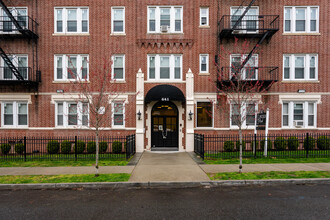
(164, 67)
(165, 19)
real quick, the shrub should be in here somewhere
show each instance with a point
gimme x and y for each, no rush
(229, 146)
(310, 143)
(243, 145)
(103, 146)
(19, 148)
(53, 147)
(280, 143)
(117, 147)
(66, 147)
(252, 144)
(269, 144)
(81, 145)
(5, 148)
(91, 147)
(323, 143)
(293, 143)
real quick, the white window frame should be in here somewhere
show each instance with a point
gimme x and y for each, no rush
(15, 62)
(65, 19)
(234, 8)
(243, 71)
(307, 58)
(207, 16)
(243, 111)
(172, 67)
(66, 114)
(307, 19)
(172, 19)
(14, 13)
(305, 113)
(112, 19)
(196, 118)
(113, 67)
(113, 112)
(15, 114)
(65, 60)
(207, 63)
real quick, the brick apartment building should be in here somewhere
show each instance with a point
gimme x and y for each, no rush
(164, 54)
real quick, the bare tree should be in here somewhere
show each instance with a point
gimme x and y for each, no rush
(241, 85)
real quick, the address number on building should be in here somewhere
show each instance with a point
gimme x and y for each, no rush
(165, 99)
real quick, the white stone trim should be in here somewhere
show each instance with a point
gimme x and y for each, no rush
(16, 97)
(300, 97)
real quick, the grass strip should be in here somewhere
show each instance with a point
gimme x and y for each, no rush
(269, 175)
(62, 163)
(81, 178)
(268, 160)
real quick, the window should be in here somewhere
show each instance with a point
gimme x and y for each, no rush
(71, 20)
(204, 63)
(20, 14)
(204, 16)
(300, 66)
(249, 23)
(166, 19)
(71, 67)
(21, 64)
(164, 67)
(204, 114)
(299, 114)
(14, 114)
(247, 110)
(301, 19)
(118, 20)
(118, 114)
(118, 67)
(69, 114)
(250, 70)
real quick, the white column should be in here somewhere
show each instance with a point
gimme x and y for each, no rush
(190, 108)
(140, 130)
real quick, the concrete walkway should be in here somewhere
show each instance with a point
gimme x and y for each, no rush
(174, 167)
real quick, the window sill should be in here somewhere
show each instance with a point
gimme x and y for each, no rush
(301, 34)
(117, 81)
(204, 74)
(157, 81)
(118, 34)
(12, 128)
(71, 34)
(68, 82)
(300, 81)
(204, 128)
(165, 33)
(302, 128)
(204, 26)
(71, 128)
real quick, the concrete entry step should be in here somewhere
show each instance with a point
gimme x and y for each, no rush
(164, 166)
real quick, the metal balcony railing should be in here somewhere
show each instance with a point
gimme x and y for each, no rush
(28, 26)
(29, 76)
(249, 25)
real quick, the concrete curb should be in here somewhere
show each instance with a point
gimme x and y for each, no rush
(151, 185)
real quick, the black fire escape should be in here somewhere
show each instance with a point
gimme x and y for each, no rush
(18, 27)
(243, 26)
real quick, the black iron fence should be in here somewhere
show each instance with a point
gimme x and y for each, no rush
(66, 148)
(278, 145)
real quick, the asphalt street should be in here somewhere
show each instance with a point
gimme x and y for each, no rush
(240, 202)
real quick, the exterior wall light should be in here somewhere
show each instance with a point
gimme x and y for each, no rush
(301, 91)
(139, 115)
(190, 115)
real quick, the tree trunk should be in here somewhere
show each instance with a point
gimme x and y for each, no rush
(97, 152)
(240, 150)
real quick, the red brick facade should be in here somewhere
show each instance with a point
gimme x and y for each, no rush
(99, 43)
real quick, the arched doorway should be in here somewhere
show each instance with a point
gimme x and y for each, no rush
(164, 126)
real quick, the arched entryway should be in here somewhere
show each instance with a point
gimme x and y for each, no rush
(164, 126)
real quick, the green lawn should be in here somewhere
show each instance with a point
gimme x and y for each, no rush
(269, 175)
(62, 163)
(82, 178)
(268, 160)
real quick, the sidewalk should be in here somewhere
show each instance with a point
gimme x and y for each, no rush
(157, 167)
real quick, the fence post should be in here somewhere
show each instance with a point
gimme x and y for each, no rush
(202, 147)
(24, 148)
(127, 147)
(307, 144)
(75, 147)
(255, 145)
